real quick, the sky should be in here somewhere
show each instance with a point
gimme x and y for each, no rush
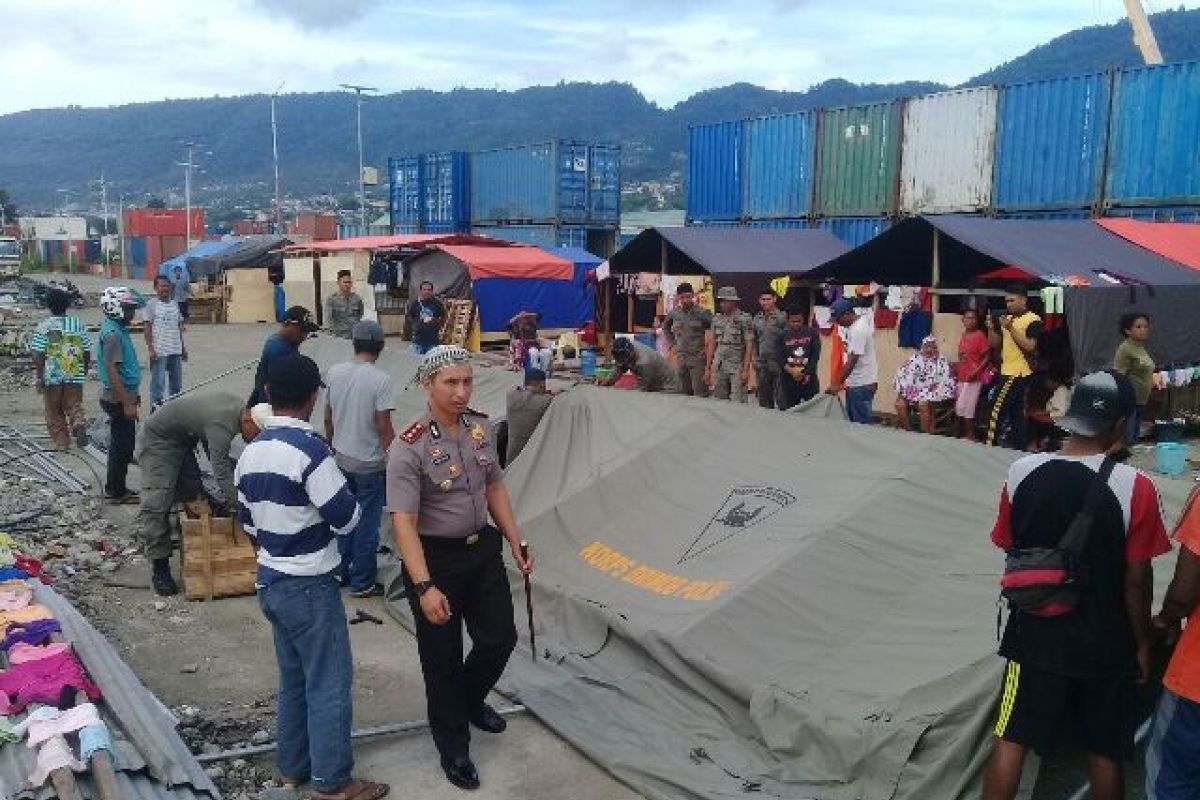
(98, 53)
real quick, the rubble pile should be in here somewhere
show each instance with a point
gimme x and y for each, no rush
(209, 734)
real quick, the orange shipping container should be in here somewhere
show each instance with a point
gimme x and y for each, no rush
(163, 222)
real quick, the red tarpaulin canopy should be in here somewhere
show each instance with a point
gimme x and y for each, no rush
(1178, 241)
(509, 262)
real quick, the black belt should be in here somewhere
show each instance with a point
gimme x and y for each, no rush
(445, 543)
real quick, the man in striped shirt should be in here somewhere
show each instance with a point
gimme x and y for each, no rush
(294, 503)
(61, 350)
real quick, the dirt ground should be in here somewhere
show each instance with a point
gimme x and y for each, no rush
(217, 657)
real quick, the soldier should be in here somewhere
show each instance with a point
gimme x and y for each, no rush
(443, 480)
(652, 371)
(344, 309)
(731, 349)
(688, 329)
(768, 330)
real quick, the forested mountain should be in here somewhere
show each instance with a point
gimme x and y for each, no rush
(136, 146)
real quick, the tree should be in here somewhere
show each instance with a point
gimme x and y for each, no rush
(8, 209)
(156, 202)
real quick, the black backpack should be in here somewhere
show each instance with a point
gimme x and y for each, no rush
(1047, 581)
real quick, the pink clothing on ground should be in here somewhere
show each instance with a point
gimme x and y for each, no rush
(15, 595)
(21, 653)
(52, 755)
(42, 681)
(41, 728)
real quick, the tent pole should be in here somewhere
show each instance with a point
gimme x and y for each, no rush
(936, 277)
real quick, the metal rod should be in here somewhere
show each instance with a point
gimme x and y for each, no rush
(363, 733)
(207, 381)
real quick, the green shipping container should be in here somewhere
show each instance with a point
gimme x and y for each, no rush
(859, 161)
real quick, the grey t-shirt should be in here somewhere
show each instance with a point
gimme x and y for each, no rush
(356, 391)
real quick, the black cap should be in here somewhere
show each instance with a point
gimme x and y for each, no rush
(535, 376)
(684, 288)
(299, 315)
(622, 346)
(1098, 402)
(291, 380)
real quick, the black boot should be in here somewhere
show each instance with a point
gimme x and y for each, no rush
(164, 585)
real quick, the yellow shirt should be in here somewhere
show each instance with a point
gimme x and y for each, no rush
(1013, 361)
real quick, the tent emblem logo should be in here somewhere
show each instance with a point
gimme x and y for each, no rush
(744, 507)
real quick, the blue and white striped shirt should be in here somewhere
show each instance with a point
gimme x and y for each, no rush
(293, 500)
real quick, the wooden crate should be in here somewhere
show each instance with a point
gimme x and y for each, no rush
(218, 560)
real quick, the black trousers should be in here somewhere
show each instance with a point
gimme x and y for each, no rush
(473, 579)
(768, 384)
(122, 432)
(1009, 406)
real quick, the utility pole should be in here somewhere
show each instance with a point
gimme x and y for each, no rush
(362, 186)
(275, 158)
(1143, 34)
(190, 166)
(121, 234)
(106, 252)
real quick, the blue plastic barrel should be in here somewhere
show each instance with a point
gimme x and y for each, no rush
(587, 363)
(1170, 458)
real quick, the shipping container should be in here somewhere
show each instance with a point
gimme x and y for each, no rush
(780, 161)
(604, 190)
(1051, 137)
(447, 181)
(406, 196)
(1157, 213)
(162, 222)
(946, 157)
(1154, 155)
(135, 251)
(777, 224)
(317, 227)
(854, 231)
(548, 183)
(858, 160)
(1060, 214)
(599, 241)
(716, 223)
(402, 230)
(715, 174)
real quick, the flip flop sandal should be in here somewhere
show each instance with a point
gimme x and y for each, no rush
(356, 789)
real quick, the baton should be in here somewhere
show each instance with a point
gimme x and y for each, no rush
(529, 604)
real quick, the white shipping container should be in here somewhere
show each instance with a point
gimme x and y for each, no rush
(947, 152)
(53, 229)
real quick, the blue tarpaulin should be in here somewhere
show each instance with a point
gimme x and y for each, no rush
(198, 250)
(559, 304)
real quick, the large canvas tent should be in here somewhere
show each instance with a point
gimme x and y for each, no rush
(746, 258)
(214, 257)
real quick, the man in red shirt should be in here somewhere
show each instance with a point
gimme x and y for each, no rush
(1173, 757)
(1079, 667)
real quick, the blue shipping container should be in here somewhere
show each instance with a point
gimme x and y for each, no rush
(1154, 158)
(604, 190)
(715, 223)
(780, 163)
(714, 190)
(446, 186)
(1073, 213)
(404, 229)
(406, 196)
(1050, 142)
(777, 223)
(542, 183)
(854, 231)
(1158, 213)
(137, 253)
(600, 241)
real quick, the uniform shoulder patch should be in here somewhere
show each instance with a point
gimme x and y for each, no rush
(472, 412)
(412, 432)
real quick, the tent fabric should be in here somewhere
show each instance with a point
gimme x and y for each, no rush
(576, 255)
(251, 251)
(517, 261)
(559, 304)
(1178, 241)
(412, 241)
(202, 249)
(968, 246)
(448, 275)
(1093, 315)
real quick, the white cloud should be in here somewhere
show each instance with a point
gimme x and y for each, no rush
(84, 53)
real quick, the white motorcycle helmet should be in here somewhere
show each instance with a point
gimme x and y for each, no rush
(115, 299)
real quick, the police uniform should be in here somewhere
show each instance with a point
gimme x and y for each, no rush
(731, 332)
(768, 332)
(685, 329)
(442, 476)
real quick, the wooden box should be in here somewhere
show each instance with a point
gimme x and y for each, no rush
(218, 559)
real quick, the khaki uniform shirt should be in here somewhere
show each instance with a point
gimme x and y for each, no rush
(732, 331)
(342, 312)
(768, 331)
(213, 418)
(685, 329)
(442, 476)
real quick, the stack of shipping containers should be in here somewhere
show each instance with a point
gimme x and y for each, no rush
(1114, 144)
(153, 235)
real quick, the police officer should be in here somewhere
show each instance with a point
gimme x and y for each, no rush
(732, 347)
(688, 329)
(170, 471)
(652, 371)
(769, 323)
(443, 480)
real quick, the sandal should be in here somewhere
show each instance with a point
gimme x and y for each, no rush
(356, 789)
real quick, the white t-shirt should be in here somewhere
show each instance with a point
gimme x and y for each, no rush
(860, 341)
(165, 319)
(356, 391)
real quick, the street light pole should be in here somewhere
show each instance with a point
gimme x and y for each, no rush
(275, 158)
(121, 234)
(106, 252)
(362, 186)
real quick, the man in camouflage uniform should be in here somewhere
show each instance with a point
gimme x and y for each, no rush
(733, 348)
(688, 329)
(768, 330)
(652, 371)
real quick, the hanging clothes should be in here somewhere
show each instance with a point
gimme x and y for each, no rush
(914, 326)
(837, 358)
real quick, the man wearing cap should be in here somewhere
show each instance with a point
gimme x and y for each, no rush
(444, 479)
(297, 325)
(688, 329)
(358, 424)
(653, 372)
(769, 324)
(525, 407)
(1078, 669)
(293, 503)
(170, 472)
(860, 372)
(731, 360)
(344, 308)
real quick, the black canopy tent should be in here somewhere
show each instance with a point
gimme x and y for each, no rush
(259, 251)
(746, 258)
